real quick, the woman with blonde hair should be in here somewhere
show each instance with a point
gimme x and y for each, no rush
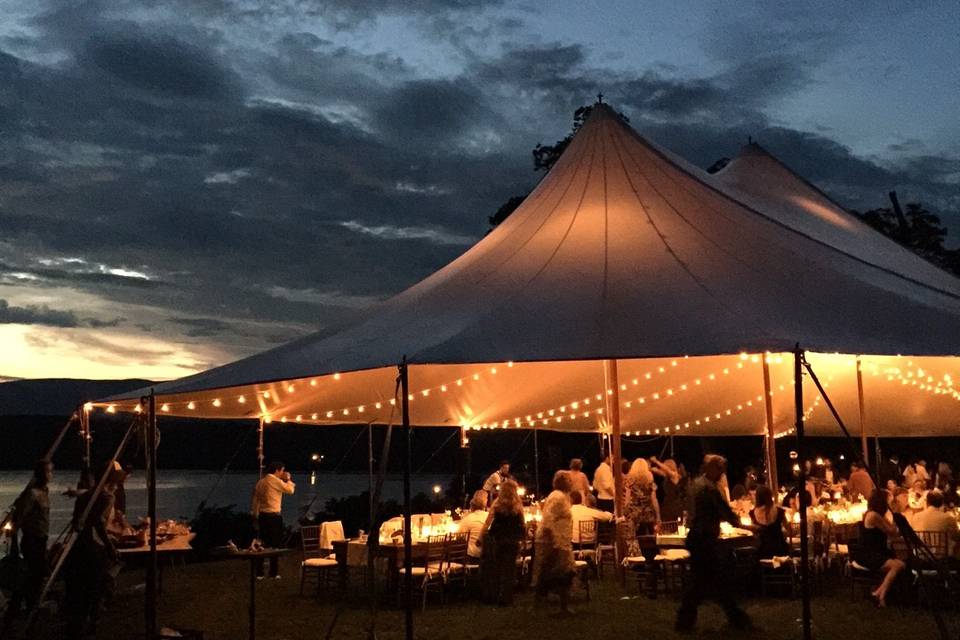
(641, 506)
(553, 565)
(501, 536)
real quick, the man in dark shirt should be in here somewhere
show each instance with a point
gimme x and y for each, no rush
(712, 565)
(31, 519)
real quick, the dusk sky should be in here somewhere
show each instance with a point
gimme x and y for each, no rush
(185, 182)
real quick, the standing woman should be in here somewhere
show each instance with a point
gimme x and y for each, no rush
(553, 566)
(874, 552)
(31, 519)
(500, 540)
(641, 507)
(673, 502)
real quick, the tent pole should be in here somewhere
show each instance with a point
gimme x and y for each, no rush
(260, 446)
(536, 460)
(771, 442)
(151, 455)
(407, 518)
(464, 471)
(802, 488)
(863, 415)
(85, 438)
(612, 394)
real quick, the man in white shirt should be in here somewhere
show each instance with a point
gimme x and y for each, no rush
(266, 507)
(603, 483)
(473, 522)
(934, 519)
(495, 479)
(581, 513)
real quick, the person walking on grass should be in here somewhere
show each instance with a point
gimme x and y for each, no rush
(266, 509)
(712, 566)
(31, 520)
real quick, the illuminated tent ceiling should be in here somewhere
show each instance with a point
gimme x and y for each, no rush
(626, 252)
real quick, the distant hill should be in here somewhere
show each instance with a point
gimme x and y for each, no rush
(57, 396)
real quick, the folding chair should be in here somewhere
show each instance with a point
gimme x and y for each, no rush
(606, 546)
(315, 561)
(428, 572)
(456, 569)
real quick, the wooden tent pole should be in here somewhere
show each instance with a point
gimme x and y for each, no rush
(771, 442)
(612, 395)
(863, 415)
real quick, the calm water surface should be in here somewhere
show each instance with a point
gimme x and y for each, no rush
(180, 492)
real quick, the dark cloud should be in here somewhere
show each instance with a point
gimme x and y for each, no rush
(267, 178)
(36, 314)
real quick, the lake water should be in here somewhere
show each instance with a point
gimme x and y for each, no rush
(180, 492)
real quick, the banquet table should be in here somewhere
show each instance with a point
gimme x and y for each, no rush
(353, 553)
(736, 537)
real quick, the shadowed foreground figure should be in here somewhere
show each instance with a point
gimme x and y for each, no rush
(711, 563)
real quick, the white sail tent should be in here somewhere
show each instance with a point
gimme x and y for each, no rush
(623, 252)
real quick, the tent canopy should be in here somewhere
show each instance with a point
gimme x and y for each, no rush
(625, 252)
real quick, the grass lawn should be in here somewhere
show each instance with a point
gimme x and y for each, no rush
(213, 597)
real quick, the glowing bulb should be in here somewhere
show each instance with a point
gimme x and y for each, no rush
(290, 389)
(336, 376)
(86, 407)
(313, 383)
(164, 408)
(242, 400)
(111, 409)
(191, 405)
(216, 402)
(266, 394)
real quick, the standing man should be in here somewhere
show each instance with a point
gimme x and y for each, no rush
(603, 483)
(495, 479)
(31, 519)
(266, 508)
(712, 567)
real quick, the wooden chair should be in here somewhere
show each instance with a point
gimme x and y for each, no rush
(428, 572)
(648, 567)
(586, 547)
(606, 546)
(778, 572)
(456, 569)
(314, 560)
(937, 541)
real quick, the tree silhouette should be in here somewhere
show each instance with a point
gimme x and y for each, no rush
(544, 157)
(918, 230)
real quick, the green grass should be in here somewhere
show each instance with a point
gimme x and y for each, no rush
(213, 597)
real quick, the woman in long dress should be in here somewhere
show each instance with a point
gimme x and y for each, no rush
(553, 565)
(501, 535)
(642, 508)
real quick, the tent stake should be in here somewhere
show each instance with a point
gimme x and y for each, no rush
(771, 443)
(863, 416)
(407, 517)
(151, 455)
(802, 488)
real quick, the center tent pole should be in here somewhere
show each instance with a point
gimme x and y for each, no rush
(151, 455)
(802, 488)
(863, 415)
(536, 461)
(407, 517)
(612, 395)
(771, 443)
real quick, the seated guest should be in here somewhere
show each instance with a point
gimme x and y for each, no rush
(502, 532)
(473, 522)
(874, 551)
(951, 498)
(739, 500)
(579, 481)
(860, 483)
(770, 521)
(553, 565)
(582, 513)
(917, 498)
(932, 518)
(898, 500)
(944, 475)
